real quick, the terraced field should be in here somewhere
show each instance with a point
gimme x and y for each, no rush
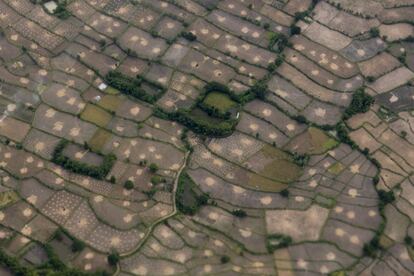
(207, 137)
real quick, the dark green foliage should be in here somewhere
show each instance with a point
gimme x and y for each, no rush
(112, 179)
(370, 249)
(342, 134)
(14, 266)
(150, 193)
(129, 185)
(156, 179)
(278, 42)
(188, 200)
(58, 235)
(77, 245)
(295, 30)
(259, 89)
(224, 259)
(274, 65)
(370, 79)
(301, 159)
(189, 36)
(375, 179)
(301, 15)
(239, 213)
(277, 241)
(374, 32)
(301, 119)
(284, 193)
(408, 240)
(266, 26)
(385, 197)
(153, 167)
(54, 266)
(113, 258)
(61, 10)
(198, 125)
(360, 103)
(130, 86)
(98, 172)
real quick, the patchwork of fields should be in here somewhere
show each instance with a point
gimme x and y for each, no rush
(207, 137)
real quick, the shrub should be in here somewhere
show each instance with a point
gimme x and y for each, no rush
(153, 167)
(295, 30)
(374, 32)
(278, 42)
(360, 103)
(239, 213)
(259, 89)
(189, 36)
(77, 245)
(113, 258)
(370, 249)
(156, 179)
(129, 185)
(301, 159)
(277, 241)
(284, 193)
(224, 259)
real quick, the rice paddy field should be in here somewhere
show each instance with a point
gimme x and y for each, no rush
(234, 137)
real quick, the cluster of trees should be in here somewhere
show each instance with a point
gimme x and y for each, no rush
(129, 86)
(361, 102)
(239, 213)
(53, 267)
(218, 87)
(98, 172)
(215, 112)
(278, 42)
(189, 36)
(198, 125)
(300, 159)
(190, 202)
(60, 11)
(277, 241)
(371, 248)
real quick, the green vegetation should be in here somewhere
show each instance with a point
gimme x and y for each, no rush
(98, 172)
(301, 159)
(188, 198)
(224, 259)
(295, 30)
(113, 258)
(53, 267)
(374, 32)
(259, 89)
(277, 42)
(284, 193)
(385, 198)
(156, 179)
(96, 115)
(239, 213)
(360, 103)
(189, 36)
(277, 241)
(77, 245)
(129, 185)
(219, 101)
(153, 167)
(132, 86)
